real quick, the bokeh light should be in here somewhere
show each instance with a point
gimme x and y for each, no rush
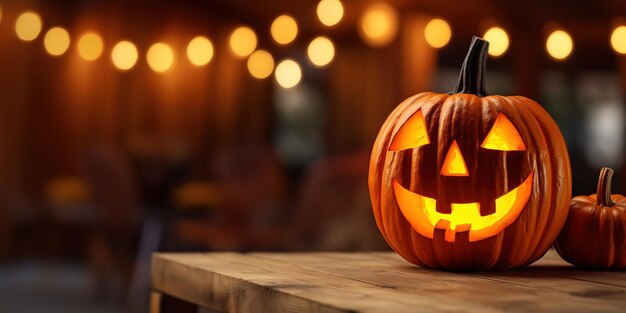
(28, 26)
(124, 55)
(200, 51)
(242, 41)
(90, 46)
(438, 33)
(260, 64)
(284, 29)
(498, 41)
(559, 45)
(330, 12)
(321, 51)
(378, 25)
(618, 39)
(288, 73)
(160, 57)
(56, 41)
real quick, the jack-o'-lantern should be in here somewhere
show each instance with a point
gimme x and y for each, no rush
(594, 235)
(466, 180)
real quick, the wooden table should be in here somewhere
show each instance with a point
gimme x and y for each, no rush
(376, 282)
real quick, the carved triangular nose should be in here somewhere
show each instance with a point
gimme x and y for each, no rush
(454, 164)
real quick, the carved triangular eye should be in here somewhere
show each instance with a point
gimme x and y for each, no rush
(503, 136)
(412, 134)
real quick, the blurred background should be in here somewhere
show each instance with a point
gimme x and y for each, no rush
(128, 127)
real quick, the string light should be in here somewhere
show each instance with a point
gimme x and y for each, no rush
(200, 51)
(56, 41)
(242, 41)
(618, 39)
(330, 12)
(498, 41)
(90, 46)
(438, 33)
(284, 29)
(28, 26)
(288, 73)
(378, 26)
(260, 64)
(124, 55)
(559, 45)
(160, 57)
(321, 51)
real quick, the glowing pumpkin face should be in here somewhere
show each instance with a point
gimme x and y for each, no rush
(470, 181)
(464, 217)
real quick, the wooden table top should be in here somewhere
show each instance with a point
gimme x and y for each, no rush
(378, 282)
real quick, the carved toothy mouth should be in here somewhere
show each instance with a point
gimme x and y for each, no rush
(464, 218)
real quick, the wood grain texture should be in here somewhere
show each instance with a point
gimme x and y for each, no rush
(378, 282)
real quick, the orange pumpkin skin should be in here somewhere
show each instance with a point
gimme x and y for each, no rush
(466, 118)
(594, 235)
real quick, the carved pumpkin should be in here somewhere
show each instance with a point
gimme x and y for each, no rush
(464, 180)
(594, 235)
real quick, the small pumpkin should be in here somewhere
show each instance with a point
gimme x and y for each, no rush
(466, 180)
(594, 235)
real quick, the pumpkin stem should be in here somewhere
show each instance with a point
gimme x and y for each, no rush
(472, 77)
(604, 187)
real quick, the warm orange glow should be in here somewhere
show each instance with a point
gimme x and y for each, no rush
(56, 41)
(503, 136)
(378, 25)
(288, 73)
(160, 57)
(200, 51)
(412, 134)
(284, 29)
(124, 55)
(330, 12)
(242, 41)
(559, 45)
(422, 214)
(498, 41)
(90, 46)
(454, 164)
(28, 26)
(321, 51)
(438, 33)
(618, 39)
(260, 64)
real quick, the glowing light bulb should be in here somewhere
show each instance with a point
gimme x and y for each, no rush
(618, 39)
(330, 12)
(200, 51)
(260, 64)
(559, 45)
(321, 51)
(90, 46)
(498, 41)
(284, 29)
(28, 26)
(378, 25)
(438, 33)
(288, 73)
(160, 57)
(124, 55)
(56, 41)
(242, 41)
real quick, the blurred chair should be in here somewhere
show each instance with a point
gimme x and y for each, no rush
(118, 215)
(69, 197)
(333, 210)
(246, 199)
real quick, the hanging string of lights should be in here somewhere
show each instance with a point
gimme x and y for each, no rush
(377, 26)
